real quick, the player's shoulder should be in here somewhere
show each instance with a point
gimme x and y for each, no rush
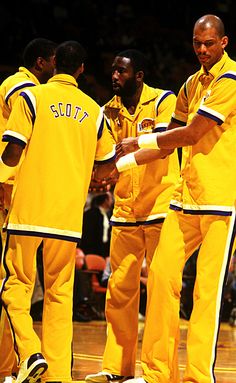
(156, 93)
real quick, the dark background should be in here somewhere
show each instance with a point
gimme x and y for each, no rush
(162, 30)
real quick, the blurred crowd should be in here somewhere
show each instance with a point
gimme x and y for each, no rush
(106, 27)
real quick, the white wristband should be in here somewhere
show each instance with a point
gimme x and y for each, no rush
(6, 171)
(148, 141)
(126, 162)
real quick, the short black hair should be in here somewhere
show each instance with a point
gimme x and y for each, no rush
(99, 199)
(70, 55)
(137, 59)
(38, 47)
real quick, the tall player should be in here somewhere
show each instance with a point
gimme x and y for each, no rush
(202, 212)
(63, 131)
(142, 196)
(38, 61)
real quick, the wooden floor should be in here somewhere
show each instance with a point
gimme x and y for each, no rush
(89, 340)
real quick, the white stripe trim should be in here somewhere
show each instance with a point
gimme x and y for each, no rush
(161, 124)
(220, 288)
(32, 98)
(176, 117)
(133, 220)
(212, 112)
(186, 82)
(99, 119)
(159, 99)
(176, 203)
(202, 207)
(16, 135)
(19, 84)
(43, 229)
(230, 72)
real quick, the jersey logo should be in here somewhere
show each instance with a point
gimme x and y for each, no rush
(146, 125)
(205, 97)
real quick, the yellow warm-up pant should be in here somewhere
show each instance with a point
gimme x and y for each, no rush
(20, 265)
(181, 235)
(8, 360)
(128, 247)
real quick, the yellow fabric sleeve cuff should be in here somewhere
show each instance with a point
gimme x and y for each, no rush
(126, 162)
(148, 141)
(6, 171)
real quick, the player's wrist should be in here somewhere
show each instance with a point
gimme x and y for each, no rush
(126, 162)
(148, 141)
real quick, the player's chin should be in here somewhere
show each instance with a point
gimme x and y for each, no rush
(116, 89)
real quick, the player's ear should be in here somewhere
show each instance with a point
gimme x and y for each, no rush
(79, 71)
(82, 68)
(224, 41)
(140, 75)
(39, 63)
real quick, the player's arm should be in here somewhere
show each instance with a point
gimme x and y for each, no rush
(12, 154)
(9, 160)
(17, 133)
(168, 140)
(165, 105)
(105, 157)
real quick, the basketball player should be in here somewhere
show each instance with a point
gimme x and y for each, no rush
(63, 132)
(202, 212)
(142, 196)
(38, 61)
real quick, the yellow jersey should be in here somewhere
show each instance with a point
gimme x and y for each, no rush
(63, 131)
(142, 194)
(208, 175)
(9, 91)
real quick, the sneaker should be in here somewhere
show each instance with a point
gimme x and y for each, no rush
(104, 377)
(31, 369)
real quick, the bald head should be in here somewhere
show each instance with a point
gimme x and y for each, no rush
(210, 21)
(209, 40)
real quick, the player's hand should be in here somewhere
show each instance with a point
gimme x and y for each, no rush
(127, 145)
(104, 184)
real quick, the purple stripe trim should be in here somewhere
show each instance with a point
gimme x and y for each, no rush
(168, 93)
(208, 212)
(227, 75)
(137, 223)
(209, 115)
(100, 130)
(5, 306)
(29, 103)
(14, 140)
(222, 292)
(185, 89)
(159, 129)
(43, 235)
(174, 207)
(201, 212)
(22, 86)
(181, 123)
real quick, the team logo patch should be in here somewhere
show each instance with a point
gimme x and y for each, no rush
(146, 125)
(206, 96)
